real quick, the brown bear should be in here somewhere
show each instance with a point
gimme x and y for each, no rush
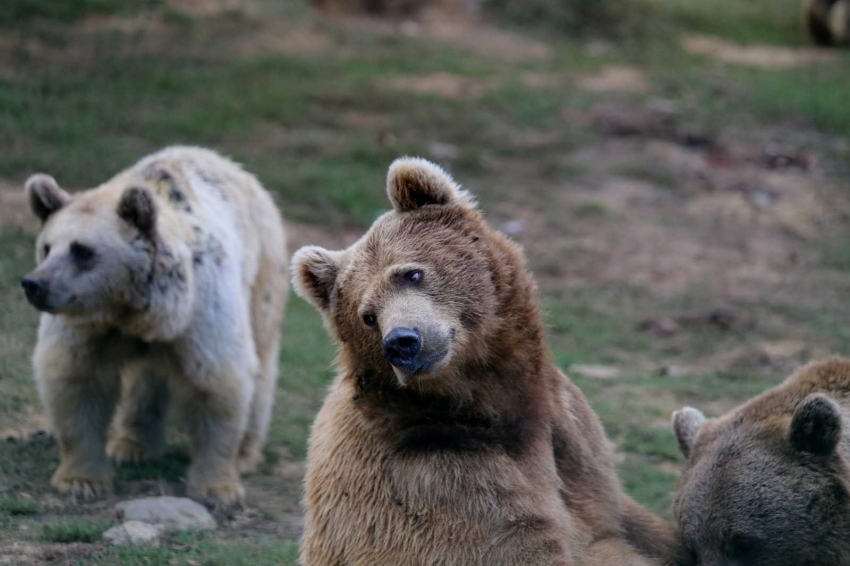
(768, 484)
(448, 436)
(166, 282)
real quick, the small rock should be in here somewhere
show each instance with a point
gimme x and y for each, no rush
(595, 372)
(173, 512)
(672, 371)
(134, 533)
(762, 199)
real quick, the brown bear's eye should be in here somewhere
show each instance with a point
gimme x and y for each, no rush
(370, 320)
(81, 254)
(413, 277)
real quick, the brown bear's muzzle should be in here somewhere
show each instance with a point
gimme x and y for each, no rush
(401, 348)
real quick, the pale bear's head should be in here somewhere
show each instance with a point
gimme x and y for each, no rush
(418, 296)
(94, 251)
(765, 488)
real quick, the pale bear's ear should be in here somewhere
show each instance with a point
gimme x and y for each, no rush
(138, 208)
(686, 424)
(314, 273)
(413, 182)
(816, 425)
(45, 196)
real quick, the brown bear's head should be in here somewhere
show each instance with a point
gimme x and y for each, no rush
(764, 487)
(421, 294)
(94, 251)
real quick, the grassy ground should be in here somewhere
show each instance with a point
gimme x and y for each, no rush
(686, 216)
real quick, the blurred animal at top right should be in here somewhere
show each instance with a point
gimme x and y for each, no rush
(828, 21)
(768, 484)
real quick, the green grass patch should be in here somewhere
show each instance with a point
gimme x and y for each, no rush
(76, 531)
(199, 549)
(752, 21)
(14, 12)
(649, 484)
(18, 507)
(652, 175)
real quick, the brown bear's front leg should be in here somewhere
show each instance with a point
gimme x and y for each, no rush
(78, 389)
(216, 413)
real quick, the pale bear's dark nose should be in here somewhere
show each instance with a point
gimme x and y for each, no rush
(36, 291)
(402, 346)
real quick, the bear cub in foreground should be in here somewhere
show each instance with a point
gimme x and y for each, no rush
(448, 436)
(167, 282)
(769, 483)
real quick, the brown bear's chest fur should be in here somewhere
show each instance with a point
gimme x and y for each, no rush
(375, 501)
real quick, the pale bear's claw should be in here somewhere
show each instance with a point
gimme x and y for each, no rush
(223, 494)
(125, 450)
(80, 486)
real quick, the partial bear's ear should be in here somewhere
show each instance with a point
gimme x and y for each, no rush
(314, 273)
(45, 195)
(138, 207)
(413, 182)
(816, 425)
(686, 424)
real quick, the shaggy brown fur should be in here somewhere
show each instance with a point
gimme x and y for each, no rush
(487, 456)
(769, 483)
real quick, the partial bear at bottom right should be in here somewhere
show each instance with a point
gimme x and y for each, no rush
(768, 484)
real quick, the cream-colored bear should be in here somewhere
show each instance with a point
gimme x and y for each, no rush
(166, 283)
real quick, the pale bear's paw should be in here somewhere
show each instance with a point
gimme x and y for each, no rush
(125, 450)
(80, 485)
(219, 494)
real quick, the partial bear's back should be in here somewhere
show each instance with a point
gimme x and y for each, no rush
(830, 377)
(212, 202)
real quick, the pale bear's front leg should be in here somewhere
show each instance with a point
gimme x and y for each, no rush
(215, 390)
(78, 383)
(139, 427)
(216, 417)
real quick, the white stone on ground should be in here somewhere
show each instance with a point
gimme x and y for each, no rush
(178, 513)
(134, 533)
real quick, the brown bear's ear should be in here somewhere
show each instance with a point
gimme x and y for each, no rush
(686, 424)
(816, 425)
(45, 195)
(413, 182)
(138, 208)
(314, 273)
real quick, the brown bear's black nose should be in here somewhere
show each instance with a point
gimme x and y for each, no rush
(36, 291)
(402, 346)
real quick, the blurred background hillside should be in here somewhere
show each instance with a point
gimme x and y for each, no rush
(677, 171)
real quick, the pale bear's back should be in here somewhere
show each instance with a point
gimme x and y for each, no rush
(214, 206)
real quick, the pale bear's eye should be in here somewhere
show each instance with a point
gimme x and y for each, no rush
(370, 320)
(81, 254)
(46, 250)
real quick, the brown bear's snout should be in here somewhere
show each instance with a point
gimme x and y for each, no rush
(36, 291)
(402, 347)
